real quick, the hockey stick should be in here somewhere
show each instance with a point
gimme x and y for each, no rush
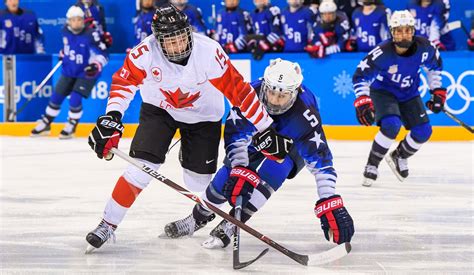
(38, 88)
(469, 128)
(451, 26)
(301, 259)
(237, 264)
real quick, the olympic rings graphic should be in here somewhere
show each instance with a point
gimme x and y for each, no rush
(455, 88)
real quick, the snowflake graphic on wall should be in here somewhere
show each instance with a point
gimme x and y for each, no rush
(343, 84)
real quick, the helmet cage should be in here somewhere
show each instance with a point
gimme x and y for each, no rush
(176, 39)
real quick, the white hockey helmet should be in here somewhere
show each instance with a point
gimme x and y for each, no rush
(74, 11)
(281, 79)
(402, 18)
(327, 6)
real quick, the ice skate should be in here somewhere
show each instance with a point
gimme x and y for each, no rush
(220, 236)
(42, 128)
(370, 175)
(69, 129)
(97, 237)
(185, 227)
(398, 165)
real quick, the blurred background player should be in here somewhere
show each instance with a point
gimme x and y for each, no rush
(83, 57)
(94, 15)
(369, 25)
(19, 30)
(233, 24)
(184, 78)
(431, 17)
(470, 40)
(143, 20)
(193, 13)
(331, 31)
(247, 173)
(267, 35)
(297, 21)
(387, 79)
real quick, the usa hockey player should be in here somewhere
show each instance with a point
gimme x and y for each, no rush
(297, 21)
(233, 24)
(387, 79)
(193, 13)
(19, 30)
(431, 17)
(83, 57)
(267, 29)
(370, 25)
(331, 31)
(143, 19)
(184, 78)
(247, 173)
(95, 18)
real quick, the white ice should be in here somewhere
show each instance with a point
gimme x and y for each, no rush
(53, 192)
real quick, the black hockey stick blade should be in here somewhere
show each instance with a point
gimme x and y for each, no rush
(236, 253)
(460, 122)
(239, 265)
(301, 259)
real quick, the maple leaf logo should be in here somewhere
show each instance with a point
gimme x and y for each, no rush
(178, 99)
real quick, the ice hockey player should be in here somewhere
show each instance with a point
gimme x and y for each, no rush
(193, 13)
(370, 25)
(94, 16)
(19, 30)
(83, 57)
(267, 36)
(233, 24)
(247, 173)
(431, 17)
(297, 21)
(184, 78)
(143, 19)
(387, 80)
(331, 31)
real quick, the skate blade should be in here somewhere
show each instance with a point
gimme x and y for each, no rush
(89, 249)
(42, 134)
(64, 137)
(367, 182)
(393, 167)
(163, 236)
(212, 243)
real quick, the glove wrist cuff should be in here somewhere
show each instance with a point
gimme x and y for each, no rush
(333, 203)
(115, 114)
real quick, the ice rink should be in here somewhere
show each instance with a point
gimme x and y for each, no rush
(53, 192)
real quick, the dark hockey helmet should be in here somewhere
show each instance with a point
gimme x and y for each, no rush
(171, 29)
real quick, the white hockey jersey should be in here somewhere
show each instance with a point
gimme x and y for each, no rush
(191, 93)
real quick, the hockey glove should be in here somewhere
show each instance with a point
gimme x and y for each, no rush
(93, 69)
(350, 45)
(241, 182)
(439, 45)
(271, 144)
(364, 110)
(106, 135)
(438, 98)
(316, 50)
(108, 39)
(230, 48)
(335, 220)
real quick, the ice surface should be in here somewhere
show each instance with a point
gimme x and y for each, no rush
(53, 192)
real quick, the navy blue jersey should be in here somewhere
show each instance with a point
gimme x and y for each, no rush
(383, 69)
(232, 24)
(19, 33)
(80, 50)
(335, 33)
(195, 18)
(301, 122)
(297, 28)
(94, 14)
(431, 21)
(369, 29)
(143, 25)
(267, 22)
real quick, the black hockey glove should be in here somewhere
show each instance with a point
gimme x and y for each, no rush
(106, 135)
(364, 110)
(241, 182)
(335, 220)
(273, 145)
(438, 98)
(93, 70)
